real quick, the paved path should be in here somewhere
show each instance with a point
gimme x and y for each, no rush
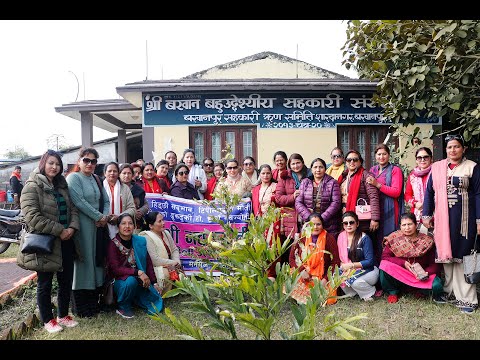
(11, 275)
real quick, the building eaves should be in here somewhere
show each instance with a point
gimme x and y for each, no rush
(97, 105)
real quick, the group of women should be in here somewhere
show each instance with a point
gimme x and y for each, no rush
(381, 244)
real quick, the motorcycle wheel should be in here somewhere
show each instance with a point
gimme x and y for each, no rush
(4, 245)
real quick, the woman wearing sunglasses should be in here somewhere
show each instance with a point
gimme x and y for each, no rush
(354, 186)
(89, 196)
(453, 197)
(388, 179)
(249, 170)
(207, 166)
(234, 182)
(417, 181)
(355, 250)
(181, 187)
(337, 166)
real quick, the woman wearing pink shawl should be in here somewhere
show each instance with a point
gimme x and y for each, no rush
(453, 196)
(402, 249)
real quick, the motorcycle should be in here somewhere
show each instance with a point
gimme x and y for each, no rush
(12, 226)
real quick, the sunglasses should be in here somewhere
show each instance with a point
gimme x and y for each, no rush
(352, 159)
(336, 156)
(231, 167)
(420, 158)
(87, 161)
(351, 222)
(248, 164)
(181, 173)
(454, 137)
(208, 164)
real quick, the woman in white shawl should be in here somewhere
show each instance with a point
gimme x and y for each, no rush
(162, 250)
(120, 196)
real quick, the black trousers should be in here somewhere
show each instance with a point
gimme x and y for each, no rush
(64, 279)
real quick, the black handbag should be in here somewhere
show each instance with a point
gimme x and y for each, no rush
(37, 243)
(471, 265)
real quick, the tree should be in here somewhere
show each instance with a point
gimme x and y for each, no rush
(57, 142)
(423, 67)
(18, 153)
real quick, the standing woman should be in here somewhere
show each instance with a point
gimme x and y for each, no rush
(119, 195)
(162, 173)
(46, 204)
(288, 189)
(249, 170)
(320, 195)
(353, 186)
(356, 253)
(138, 194)
(162, 250)
(91, 199)
(388, 179)
(234, 182)
(280, 160)
(263, 195)
(453, 196)
(181, 187)
(196, 176)
(171, 157)
(417, 181)
(218, 172)
(207, 166)
(337, 166)
(151, 183)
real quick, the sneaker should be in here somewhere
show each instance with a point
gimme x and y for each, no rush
(369, 298)
(52, 326)
(126, 314)
(67, 321)
(392, 299)
(444, 298)
(466, 309)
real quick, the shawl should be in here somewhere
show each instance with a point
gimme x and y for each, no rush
(354, 189)
(416, 179)
(335, 171)
(441, 224)
(255, 179)
(403, 246)
(265, 197)
(155, 187)
(315, 261)
(115, 204)
(161, 272)
(342, 242)
(296, 179)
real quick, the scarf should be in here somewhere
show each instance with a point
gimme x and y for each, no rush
(416, 179)
(296, 179)
(342, 243)
(402, 246)
(115, 204)
(161, 272)
(155, 188)
(17, 175)
(441, 223)
(354, 189)
(315, 261)
(335, 171)
(166, 179)
(129, 253)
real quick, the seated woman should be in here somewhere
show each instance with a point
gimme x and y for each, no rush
(162, 250)
(403, 250)
(355, 249)
(316, 266)
(181, 187)
(130, 266)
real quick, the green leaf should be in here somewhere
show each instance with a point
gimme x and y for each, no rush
(449, 52)
(460, 33)
(411, 80)
(422, 48)
(454, 106)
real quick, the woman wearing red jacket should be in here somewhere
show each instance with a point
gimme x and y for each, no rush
(218, 173)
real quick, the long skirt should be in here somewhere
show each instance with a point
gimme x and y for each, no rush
(85, 302)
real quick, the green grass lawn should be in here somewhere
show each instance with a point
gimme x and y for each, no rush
(409, 319)
(10, 253)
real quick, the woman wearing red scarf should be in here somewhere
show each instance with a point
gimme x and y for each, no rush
(151, 183)
(353, 186)
(417, 181)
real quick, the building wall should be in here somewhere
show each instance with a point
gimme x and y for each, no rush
(170, 138)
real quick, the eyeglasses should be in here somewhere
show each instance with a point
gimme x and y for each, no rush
(181, 173)
(248, 164)
(352, 159)
(351, 222)
(336, 156)
(87, 161)
(208, 164)
(231, 167)
(420, 158)
(454, 137)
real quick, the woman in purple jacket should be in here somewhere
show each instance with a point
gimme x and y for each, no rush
(320, 195)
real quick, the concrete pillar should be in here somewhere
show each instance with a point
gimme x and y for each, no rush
(86, 120)
(148, 143)
(438, 146)
(122, 146)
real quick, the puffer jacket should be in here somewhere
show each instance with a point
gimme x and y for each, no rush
(284, 198)
(330, 206)
(40, 209)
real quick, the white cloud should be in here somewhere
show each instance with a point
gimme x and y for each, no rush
(38, 58)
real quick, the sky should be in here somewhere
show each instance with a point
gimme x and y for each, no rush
(43, 59)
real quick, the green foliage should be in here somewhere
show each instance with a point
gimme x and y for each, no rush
(243, 295)
(423, 68)
(18, 153)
